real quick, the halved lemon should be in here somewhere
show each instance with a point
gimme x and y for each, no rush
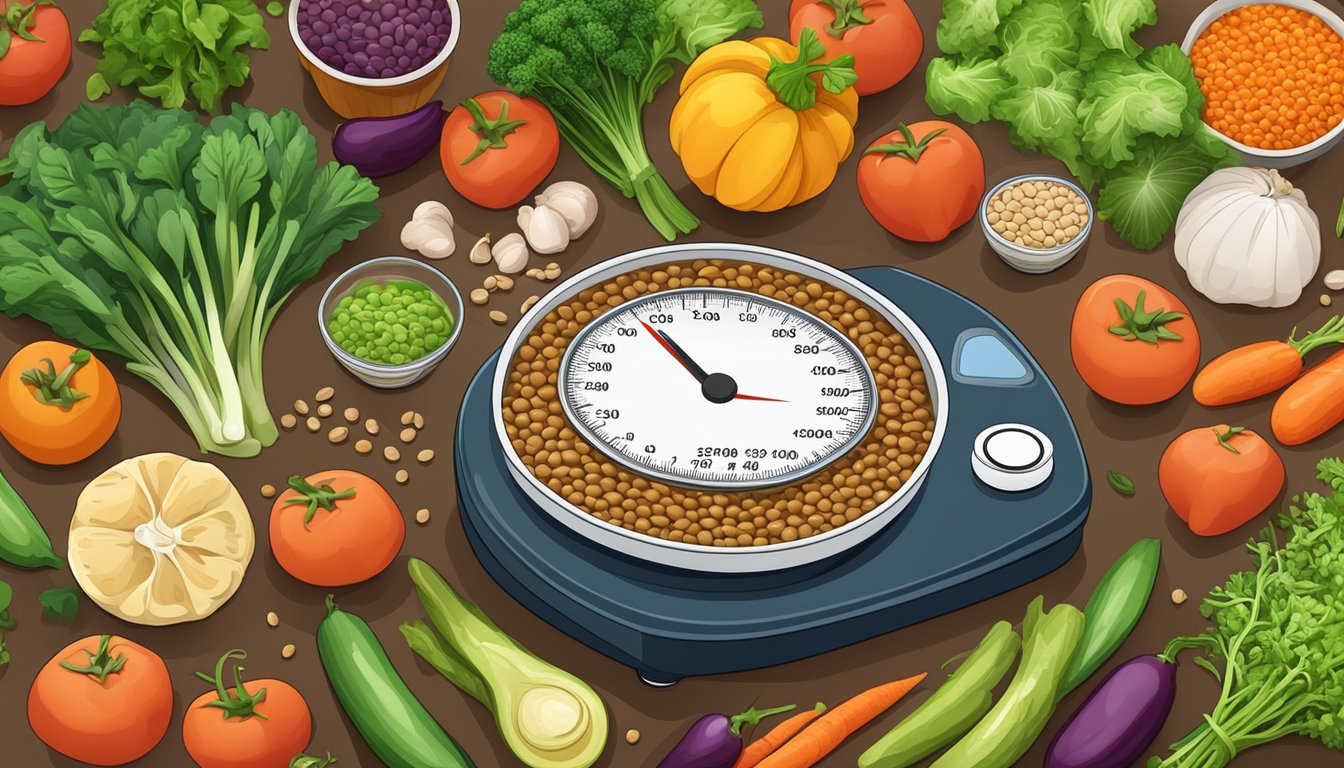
(159, 539)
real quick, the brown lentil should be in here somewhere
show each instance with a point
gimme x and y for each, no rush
(324, 410)
(363, 447)
(288, 422)
(313, 424)
(391, 453)
(1037, 214)
(337, 435)
(632, 736)
(839, 494)
(422, 516)
(504, 283)
(324, 394)
(1325, 300)
(407, 418)
(403, 477)
(480, 296)
(288, 651)
(272, 619)
(371, 426)
(351, 415)
(425, 456)
(301, 407)
(408, 435)
(498, 318)
(268, 491)
(1178, 596)
(528, 303)
(417, 420)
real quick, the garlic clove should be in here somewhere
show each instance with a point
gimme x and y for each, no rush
(525, 217)
(511, 254)
(573, 201)
(438, 247)
(433, 209)
(415, 233)
(546, 231)
(480, 252)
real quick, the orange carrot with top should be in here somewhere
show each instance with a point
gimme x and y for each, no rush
(767, 744)
(1313, 405)
(1259, 369)
(821, 737)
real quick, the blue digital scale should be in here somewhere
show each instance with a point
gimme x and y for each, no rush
(1003, 503)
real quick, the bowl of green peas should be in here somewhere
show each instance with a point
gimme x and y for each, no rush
(390, 320)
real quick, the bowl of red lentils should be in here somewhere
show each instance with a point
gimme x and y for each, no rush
(1272, 75)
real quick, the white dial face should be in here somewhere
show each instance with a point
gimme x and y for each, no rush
(717, 388)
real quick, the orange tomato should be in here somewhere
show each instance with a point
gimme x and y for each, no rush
(37, 59)
(1133, 341)
(335, 528)
(64, 424)
(883, 35)
(254, 724)
(497, 147)
(1219, 478)
(103, 700)
(923, 180)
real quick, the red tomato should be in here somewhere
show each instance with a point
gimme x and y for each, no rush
(497, 147)
(923, 180)
(1140, 355)
(229, 728)
(883, 35)
(38, 52)
(335, 528)
(1219, 478)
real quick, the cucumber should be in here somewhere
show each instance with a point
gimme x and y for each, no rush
(22, 540)
(385, 712)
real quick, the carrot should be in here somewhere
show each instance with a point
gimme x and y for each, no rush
(1259, 369)
(824, 735)
(762, 747)
(1312, 405)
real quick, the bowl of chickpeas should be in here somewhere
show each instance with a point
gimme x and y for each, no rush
(1272, 75)
(1036, 223)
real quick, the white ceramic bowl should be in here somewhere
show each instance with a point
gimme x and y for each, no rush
(378, 271)
(1035, 261)
(1254, 156)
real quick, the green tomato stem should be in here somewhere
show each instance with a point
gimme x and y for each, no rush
(101, 663)
(848, 15)
(240, 703)
(314, 497)
(1138, 324)
(911, 150)
(1223, 437)
(53, 388)
(493, 133)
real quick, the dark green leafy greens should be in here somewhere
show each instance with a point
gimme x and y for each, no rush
(6, 623)
(1278, 635)
(60, 605)
(596, 63)
(1070, 81)
(176, 51)
(138, 231)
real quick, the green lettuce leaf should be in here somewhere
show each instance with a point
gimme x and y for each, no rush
(1171, 61)
(1142, 197)
(1040, 39)
(1113, 21)
(970, 27)
(965, 89)
(1124, 100)
(1045, 118)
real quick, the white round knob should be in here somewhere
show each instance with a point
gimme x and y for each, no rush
(1013, 457)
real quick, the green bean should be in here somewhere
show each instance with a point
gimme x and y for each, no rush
(1114, 609)
(1014, 723)
(958, 704)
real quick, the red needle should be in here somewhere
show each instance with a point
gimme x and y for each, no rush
(691, 366)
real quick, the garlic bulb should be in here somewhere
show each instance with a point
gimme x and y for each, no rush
(430, 231)
(575, 202)
(1246, 236)
(511, 254)
(545, 229)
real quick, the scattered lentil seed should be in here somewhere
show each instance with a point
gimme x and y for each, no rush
(407, 418)
(403, 477)
(324, 410)
(301, 407)
(529, 302)
(504, 282)
(1325, 300)
(499, 318)
(552, 271)
(408, 435)
(1178, 596)
(425, 456)
(480, 296)
(632, 736)
(313, 424)
(351, 415)
(422, 516)
(1037, 214)
(371, 426)
(268, 491)
(338, 434)
(272, 619)
(324, 394)
(363, 447)
(288, 651)
(288, 422)
(491, 284)
(391, 453)
(418, 421)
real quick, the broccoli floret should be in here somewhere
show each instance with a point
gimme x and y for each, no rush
(595, 63)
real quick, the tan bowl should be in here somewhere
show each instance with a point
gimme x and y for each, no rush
(350, 96)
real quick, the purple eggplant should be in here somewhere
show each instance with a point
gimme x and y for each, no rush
(1118, 722)
(715, 741)
(382, 146)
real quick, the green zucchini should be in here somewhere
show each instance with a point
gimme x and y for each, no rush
(385, 712)
(22, 540)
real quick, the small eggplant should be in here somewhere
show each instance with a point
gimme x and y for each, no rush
(382, 146)
(1117, 723)
(715, 741)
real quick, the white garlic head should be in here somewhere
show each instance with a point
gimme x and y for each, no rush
(430, 231)
(573, 201)
(545, 229)
(511, 254)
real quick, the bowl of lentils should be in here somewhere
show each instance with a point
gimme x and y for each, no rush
(375, 58)
(391, 320)
(1036, 223)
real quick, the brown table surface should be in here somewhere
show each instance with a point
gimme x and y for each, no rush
(834, 228)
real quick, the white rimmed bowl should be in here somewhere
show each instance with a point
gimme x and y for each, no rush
(1254, 156)
(1035, 261)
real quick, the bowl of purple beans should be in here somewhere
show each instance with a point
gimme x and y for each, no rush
(375, 58)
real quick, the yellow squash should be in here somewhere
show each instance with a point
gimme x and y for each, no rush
(763, 125)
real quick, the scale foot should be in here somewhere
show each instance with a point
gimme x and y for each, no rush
(658, 679)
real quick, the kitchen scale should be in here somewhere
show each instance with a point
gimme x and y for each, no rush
(999, 499)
